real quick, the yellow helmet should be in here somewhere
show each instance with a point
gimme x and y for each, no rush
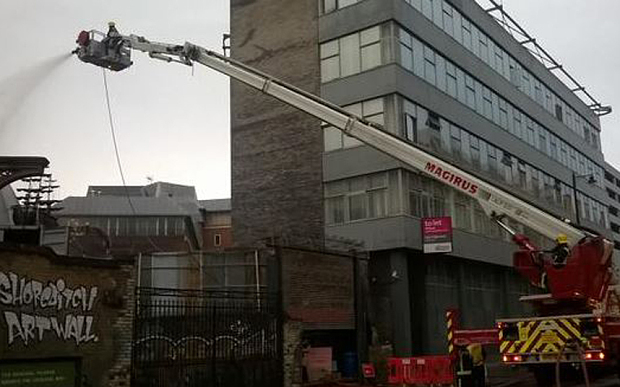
(561, 238)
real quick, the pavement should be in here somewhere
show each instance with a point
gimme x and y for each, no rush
(502, 376)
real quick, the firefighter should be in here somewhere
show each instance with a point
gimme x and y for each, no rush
(560, 253)
(464, 368)
(478, 357)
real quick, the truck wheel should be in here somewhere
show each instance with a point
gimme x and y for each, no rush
(544, 375)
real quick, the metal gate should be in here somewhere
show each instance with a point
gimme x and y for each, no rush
(199, 338)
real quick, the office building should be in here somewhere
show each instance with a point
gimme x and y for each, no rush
(444, 76)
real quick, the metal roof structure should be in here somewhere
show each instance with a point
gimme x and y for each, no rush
(121, 206)
(114, 190)
(530, 43)
(215, 205)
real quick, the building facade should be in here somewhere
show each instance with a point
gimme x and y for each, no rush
(217, 224)
(125, 221)
(444, 76)
(612, 188)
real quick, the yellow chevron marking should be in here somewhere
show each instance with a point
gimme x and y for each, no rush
(573, 328)
(449, 324)
(450, 336)
(503, 345)
(565, 329)
(512, 348)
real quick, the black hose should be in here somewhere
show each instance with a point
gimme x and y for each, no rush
(581, 360)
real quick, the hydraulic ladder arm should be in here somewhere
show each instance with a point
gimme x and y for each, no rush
(114, 50)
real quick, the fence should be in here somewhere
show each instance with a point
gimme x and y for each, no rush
(206, 338)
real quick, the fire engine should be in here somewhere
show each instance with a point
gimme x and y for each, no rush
(575, 319)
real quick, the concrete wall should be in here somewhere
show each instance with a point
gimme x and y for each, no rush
(92, 322)
(411, 292)
(276, 150)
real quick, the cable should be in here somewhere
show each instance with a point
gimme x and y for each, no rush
(117, 153)
(113, 131)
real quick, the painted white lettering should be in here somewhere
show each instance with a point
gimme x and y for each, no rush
(5, 289)
(14, 326)
(21, 293)
(28, 327)
(43, 325)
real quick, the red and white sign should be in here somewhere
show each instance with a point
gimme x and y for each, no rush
(437, 235)
(368, 370)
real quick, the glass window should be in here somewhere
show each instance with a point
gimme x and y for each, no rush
(427, 8)
(377, 203)
(455, 142)
(470, 91)
(329, 6)
(370, 41)
(335, 210)
(462, 213)
(346, 3)
(406, 50)
(466, 32)
(448, 22)
(474, 151)
(350, 55)
(357, 207)
(429, 65)
(451, 83)
(411, 130)
(487, 103)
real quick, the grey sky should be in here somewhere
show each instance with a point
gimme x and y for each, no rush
(170, 125)
(585, 37)
(174, 126)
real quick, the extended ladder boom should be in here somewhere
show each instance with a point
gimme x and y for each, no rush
(113, 52)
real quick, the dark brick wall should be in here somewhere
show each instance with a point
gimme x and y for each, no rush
(318, 288)
(105, 352)
(276, 150)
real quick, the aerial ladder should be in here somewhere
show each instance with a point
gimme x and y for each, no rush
(573, 288)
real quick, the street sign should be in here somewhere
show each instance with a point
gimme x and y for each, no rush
(437, 235)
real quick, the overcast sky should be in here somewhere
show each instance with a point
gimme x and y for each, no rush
(173, 125)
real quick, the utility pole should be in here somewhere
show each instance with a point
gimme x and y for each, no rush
(591, 180)
(577, 210)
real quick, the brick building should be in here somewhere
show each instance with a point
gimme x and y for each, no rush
(216, 224)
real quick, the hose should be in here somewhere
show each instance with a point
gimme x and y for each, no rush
(557, 366)
(581, 360)
(583, 366)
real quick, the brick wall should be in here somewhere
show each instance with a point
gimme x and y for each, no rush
(292, 353)
(208, 237)
(96, 325)
(276, 150)
(318, 289)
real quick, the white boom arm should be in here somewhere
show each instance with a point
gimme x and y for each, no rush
(495, 202)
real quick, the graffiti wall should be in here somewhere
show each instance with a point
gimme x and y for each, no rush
(78, 310)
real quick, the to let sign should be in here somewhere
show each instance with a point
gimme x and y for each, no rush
(437, 235)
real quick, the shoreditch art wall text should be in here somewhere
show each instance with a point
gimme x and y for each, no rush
(36, 311)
